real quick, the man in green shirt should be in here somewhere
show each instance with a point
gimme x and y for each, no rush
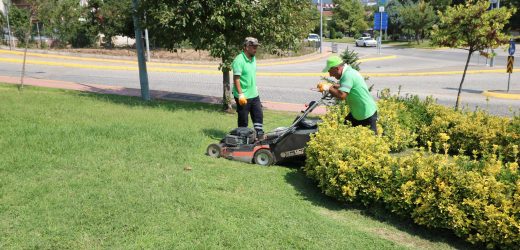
(244, 87)
(352, 87)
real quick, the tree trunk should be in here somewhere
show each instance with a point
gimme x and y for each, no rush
(226, 98)
(457, 104)
(27, 36)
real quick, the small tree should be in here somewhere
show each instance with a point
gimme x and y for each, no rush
(472, 27)
(18, 18)
(351, 58)
(349, 17)
(416, 17)
(110, 18)
(62, 19)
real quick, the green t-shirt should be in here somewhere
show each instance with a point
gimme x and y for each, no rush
(246, 69)
(361, 103)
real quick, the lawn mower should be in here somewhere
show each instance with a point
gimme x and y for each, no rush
(280, 145)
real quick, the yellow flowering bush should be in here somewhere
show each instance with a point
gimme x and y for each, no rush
(395, 125)
(470, 132)
(349, 163)
(465, 177)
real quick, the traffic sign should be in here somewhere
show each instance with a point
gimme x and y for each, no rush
(511, 47)
(378, 23)
(510, 62)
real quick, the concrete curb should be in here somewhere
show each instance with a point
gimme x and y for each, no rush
(512, 94)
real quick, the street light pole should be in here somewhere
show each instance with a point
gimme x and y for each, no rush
(147, 41)
(321, 25)
(492, 60)
(143, 74)
(9, 25)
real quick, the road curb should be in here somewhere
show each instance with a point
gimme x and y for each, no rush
(514, 94)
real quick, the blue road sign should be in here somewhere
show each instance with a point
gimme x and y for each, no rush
(511, 47)
(378, 25)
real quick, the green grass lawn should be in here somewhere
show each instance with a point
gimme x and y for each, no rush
(410, 44)
(80, 170)
(341, 40)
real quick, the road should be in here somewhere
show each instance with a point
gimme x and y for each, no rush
(419, 72)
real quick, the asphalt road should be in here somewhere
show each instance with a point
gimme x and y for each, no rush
(438, 74)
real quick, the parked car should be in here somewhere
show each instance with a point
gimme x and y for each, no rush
(366, 41)
(313, 37)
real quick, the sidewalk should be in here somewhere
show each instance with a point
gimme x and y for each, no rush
(154, 94)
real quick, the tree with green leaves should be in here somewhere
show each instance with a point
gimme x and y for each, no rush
(473, 27)
(111, 18)
(19, 18)
(349, 17)
(350, 57)
(65, 21)
(220, 26)
(440, 5)
(315, 18)
(70, 23)
(416, 18)
(514, 21)
(392, 9)
(2, 20)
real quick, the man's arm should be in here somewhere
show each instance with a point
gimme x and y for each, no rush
(242, 100)
(236, 81)
(334, 91)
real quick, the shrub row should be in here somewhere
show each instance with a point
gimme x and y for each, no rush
(473, 133)
(439, 185)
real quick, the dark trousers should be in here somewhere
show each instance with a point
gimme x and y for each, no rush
(369, 122)
(253, 106)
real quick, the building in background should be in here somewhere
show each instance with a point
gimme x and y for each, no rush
(20, 3)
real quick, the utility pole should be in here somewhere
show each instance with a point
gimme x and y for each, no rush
(147, 42)
(9, 25)
(143, 74)
(39, 35)
(321, 25)
(27, 36)
(147, 45)
(492, 60)
(380, 30)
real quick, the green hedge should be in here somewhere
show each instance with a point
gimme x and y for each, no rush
(472, 133)
(475, 195)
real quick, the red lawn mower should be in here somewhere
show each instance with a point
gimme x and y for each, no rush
(281, 145)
